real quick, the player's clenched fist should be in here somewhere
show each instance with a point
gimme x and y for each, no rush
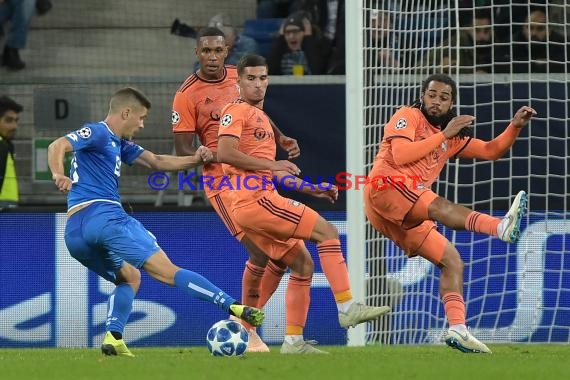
(62, 182)
(205, 153)
(523, 116)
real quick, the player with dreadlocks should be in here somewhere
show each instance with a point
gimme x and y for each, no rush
(418, 140)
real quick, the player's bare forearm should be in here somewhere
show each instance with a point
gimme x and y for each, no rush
(168, 162)
(56, 155)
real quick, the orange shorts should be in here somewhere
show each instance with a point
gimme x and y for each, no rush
(387, 210)
(399, 204)
(277, 225)
(221, 202)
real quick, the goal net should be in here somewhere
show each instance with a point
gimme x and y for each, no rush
(502, 55)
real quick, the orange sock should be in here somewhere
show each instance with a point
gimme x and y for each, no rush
(297, 299)
(335, 270)
(454, 308)
(270, 282)
(483, 223)
(251, 283)
(250, 290)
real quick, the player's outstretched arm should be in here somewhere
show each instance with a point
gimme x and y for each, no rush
(56, 155)
(168, 162)
(496, 148)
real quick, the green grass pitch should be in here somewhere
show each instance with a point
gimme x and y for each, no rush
(519, 362)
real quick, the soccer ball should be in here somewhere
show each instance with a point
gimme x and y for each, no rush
(227, 338)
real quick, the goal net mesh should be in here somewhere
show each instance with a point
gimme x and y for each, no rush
(502, 55)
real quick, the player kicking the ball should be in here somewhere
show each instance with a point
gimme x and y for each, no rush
(102, 236)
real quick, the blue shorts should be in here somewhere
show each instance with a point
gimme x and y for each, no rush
(102, 235)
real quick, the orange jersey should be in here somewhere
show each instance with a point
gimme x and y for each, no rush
(409, 123)
(196, 109)
(256, 139)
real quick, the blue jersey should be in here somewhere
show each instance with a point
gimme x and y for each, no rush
(96, 164)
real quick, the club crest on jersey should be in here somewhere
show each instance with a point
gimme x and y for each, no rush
(259, 134)
(226, 120)
(401, 124)
(84, 132)
(175, 117)
(294, 203)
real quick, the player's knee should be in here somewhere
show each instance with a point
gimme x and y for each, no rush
(330, 231)
(323, 231)
(308, 266)
(256, 256)
(303, 264)
(258, 261)
(439, 208)
(129, 275)
(452, 263)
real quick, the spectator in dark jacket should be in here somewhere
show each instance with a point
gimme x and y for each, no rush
(298, 45)
(537, 48)
(9, 117)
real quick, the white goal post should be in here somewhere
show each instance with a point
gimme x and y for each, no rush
(513, 293)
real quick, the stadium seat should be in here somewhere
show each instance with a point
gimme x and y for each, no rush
(262, 31)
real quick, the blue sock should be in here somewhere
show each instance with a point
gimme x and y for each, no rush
(119, 308)
(199, 287)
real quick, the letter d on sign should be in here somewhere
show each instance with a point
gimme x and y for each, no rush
(61, 109)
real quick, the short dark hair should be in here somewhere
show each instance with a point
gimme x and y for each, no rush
(211, 31)
(128, 95)
(482, 14)
(8, 104)
(250, 60)
(538, 8)
(443, 79)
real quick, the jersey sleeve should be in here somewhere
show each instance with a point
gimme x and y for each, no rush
(183, 114)
(458, 146)
(232, 121)
(130, 151)
(402, 124)
(90, 136)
